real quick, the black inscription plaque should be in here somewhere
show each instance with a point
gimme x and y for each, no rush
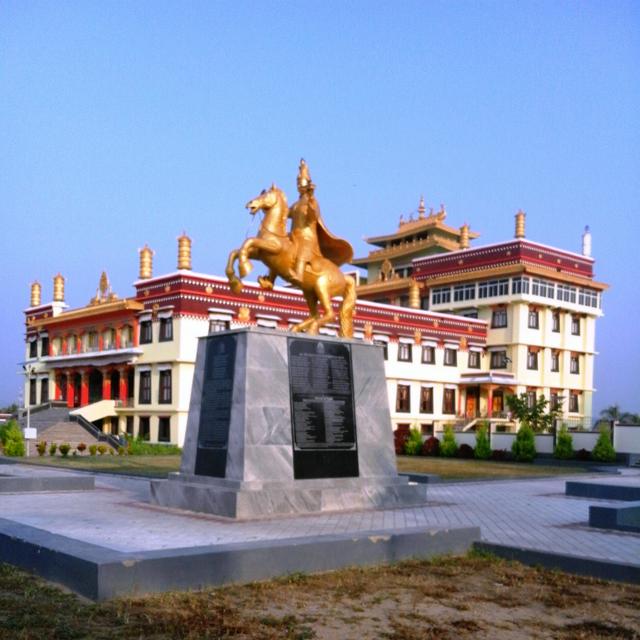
(215, 407)
(322, 410)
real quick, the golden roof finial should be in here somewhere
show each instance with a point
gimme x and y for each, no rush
(464, 236)
(520, 217)
(184, 252)
(58, 288)
(146, 262)
(36, 294)
(421, 209)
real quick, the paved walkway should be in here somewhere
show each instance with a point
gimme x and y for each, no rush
(533, 514)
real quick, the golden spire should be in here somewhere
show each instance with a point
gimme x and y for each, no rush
(36, 294)
(421, 209)
(464, 236)
(184, 252)
(414, 295)
(146, 263)
(520, 216)
(58, 288)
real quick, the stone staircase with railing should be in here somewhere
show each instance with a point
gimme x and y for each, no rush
(54, 423)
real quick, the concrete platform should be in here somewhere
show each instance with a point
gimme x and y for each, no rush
(602, 490)
(111, 541)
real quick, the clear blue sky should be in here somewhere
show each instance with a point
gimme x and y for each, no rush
(126, 122)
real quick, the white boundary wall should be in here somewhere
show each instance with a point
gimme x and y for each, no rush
(626, 438)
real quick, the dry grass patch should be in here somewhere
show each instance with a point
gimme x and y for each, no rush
(448, 598)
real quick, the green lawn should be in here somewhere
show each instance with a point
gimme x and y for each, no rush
(456, 469)
(148, 466)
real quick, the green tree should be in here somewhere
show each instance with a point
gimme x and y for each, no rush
(604, 451)
(613, 413)
(539, 417)
(448, 446)
(483, 447)
(524, 446)
(413, 444)
(564, 444)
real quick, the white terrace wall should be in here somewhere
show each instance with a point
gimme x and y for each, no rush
(584, 440)
(626, 438)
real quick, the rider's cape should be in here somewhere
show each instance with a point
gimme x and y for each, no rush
(336, 249)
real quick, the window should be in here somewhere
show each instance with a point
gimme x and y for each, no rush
(428, 354)
(520, 285)
(92, 341)
(44, 346)
(449, 401)
(554, 401)
(450, 357)
(575, 325)
(464, 292)
(404, 352)
(532, 359)
(474, 360)
(109, 339)
(499, 318)
(72, 344)
(574, 404)
(44, 390)
(125, 337)
(555, 322)
(531, 399)
(33, 349)
(129, 426)
(441, 295)
(403, 398)
(164, 429)
(146, 332)
(426, 400)
(144, 428)
(32, 391)
(534, 319)
(492, 288)
(542, 288)
(503, 287)
(566, 293)
(498, 360)
(555, 361)
(165, 387)
(145, 387)
(588, 297)
(166, 329)
(215, 326)
(574, 364)
(385, 348)
(426, 429)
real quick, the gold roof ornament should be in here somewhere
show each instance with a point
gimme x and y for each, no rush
(520, 220)
(421, 209)
(414, 295)
(146, 263)
(464, 236)
(184, 252)
(442, 214)
(103, 292)
(36, 294)
(58, 288)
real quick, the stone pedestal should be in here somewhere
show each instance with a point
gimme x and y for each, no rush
(283, 423)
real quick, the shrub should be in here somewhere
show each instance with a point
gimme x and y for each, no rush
(93, 449)
(41, 448)
(139, 447)
(431, 447)
(5, 428)
(564, 444)
(121, 450)
(604, 451)
(65, 447)
(465, 451)
(583, 454)
(102, 449)
(13, 441)
(448, 447)
(53, 447)
(483, 448)
(499, 454)
(524, 446)
(413, 443)
(82, 447)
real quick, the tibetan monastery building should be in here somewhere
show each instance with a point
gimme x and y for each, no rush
(459, 327)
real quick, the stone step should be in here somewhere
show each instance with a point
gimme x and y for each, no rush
(63, 432)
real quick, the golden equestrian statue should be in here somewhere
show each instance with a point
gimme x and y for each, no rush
(308, 257)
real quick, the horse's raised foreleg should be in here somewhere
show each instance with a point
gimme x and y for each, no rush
(234, 282)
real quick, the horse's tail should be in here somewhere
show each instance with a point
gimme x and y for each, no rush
(347, 307)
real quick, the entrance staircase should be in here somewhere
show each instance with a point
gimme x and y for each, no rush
(55, 423)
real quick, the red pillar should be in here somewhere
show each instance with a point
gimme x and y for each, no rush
(57, 391)
(84, 389)
(64, 346)
(118, 330)
(70, 389)
(135, 332)
(106, 385)
(124, 386)
(490, 403)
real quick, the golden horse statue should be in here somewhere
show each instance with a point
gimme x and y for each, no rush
(321, 279)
